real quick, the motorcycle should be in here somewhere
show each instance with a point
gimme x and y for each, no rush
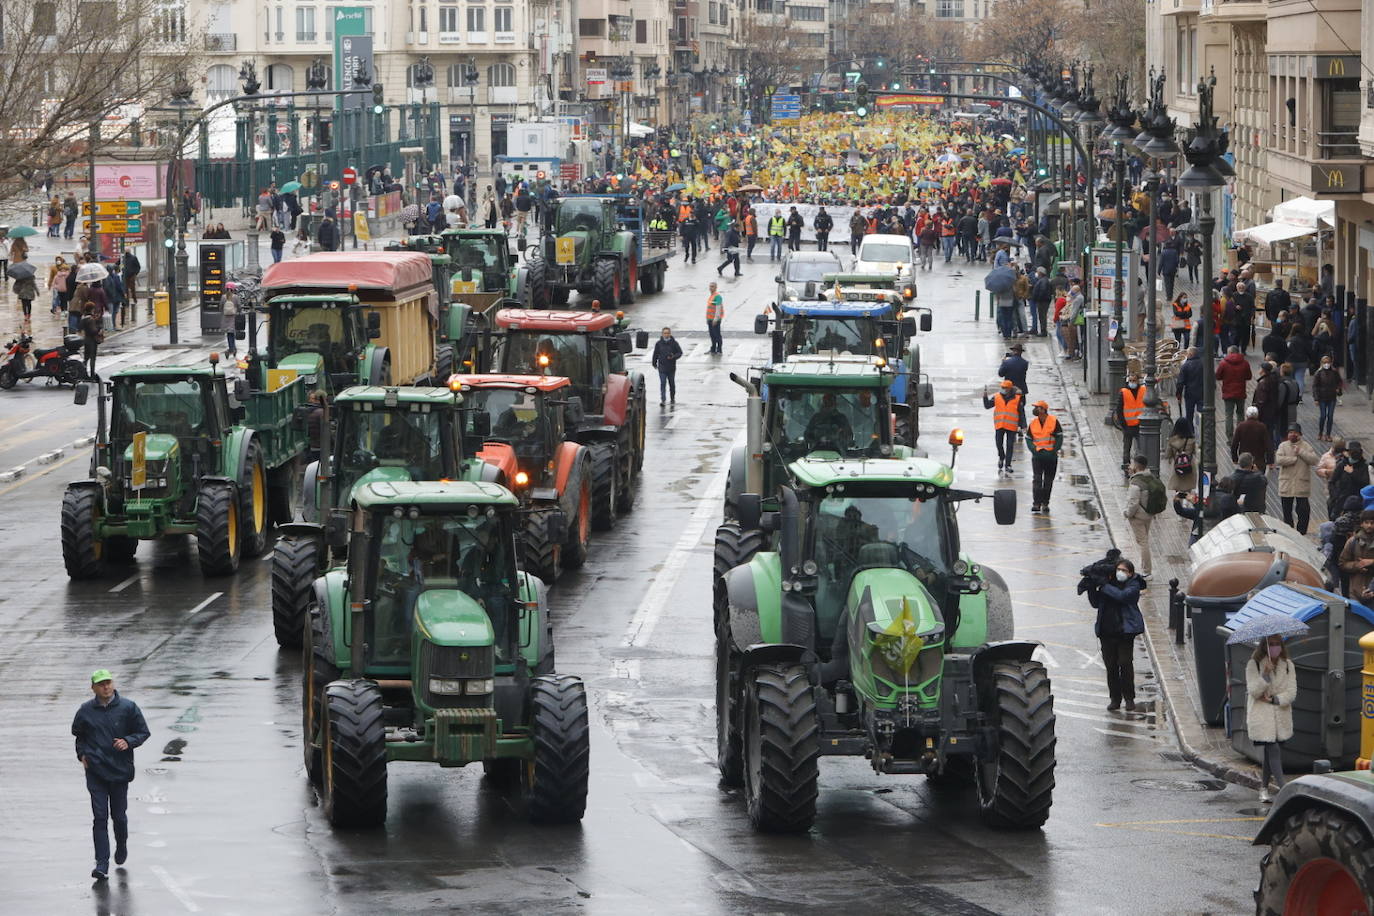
(61, 364)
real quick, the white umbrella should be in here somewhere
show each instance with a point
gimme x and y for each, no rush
(639, 130)
(91, 273)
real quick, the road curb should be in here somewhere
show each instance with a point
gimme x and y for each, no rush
(1229, 770)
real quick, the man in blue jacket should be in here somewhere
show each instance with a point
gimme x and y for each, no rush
(107, 729)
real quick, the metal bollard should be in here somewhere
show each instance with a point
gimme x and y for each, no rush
(1176, 611)
(977, 302)
(35, 216)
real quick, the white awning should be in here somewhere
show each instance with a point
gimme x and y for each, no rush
(639, 130)
(1269, 233)
(1305, 211)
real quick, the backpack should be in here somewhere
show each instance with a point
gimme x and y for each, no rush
(1183, 464)
(1153, 497)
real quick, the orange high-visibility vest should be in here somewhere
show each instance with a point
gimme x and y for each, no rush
(1005, 411)
(1042, 433)
(1131, 405)
(684, 212)
(1183, 317)
(715, 307)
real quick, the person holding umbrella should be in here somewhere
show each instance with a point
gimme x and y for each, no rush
(1271, 685)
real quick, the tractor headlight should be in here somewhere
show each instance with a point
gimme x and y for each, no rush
(810, 568)
(481, 685)
(440, 685)
(960, 568)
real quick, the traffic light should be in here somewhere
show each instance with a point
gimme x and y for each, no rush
(377, 106)
(169, 230)
(896, 85)
(861, 101)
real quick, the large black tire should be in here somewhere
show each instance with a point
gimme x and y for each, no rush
(284, 492)
(354, 791)
(1319, 862)
(729, 743)
(1016, 787)
(295, 563)
(217, 529)
(537, 283)
(557, 793)
(606, 282)
(253, 503)
(734, 547)
(639, 421)
(82, 552)
(317, 672)
(781, 746)
(574, 552)
(560, 295)
(646, 279)
(444, 362)
(8, 377)
(539, 554)
(628, 281)
(605, 485)
(625, 498)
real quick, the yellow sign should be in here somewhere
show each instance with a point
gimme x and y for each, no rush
(278, 379)
(360, 228)
(138, 477)
(1335, 67)
(458, 286)
(566, 251)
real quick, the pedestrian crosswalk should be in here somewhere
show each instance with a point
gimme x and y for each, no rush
(972, 359)
(149, 356)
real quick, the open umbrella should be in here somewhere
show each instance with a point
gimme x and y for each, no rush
(91, 273)
(291, 187)
(1161, 233)
(751, 189)
(22, 232)
(948, 158)
(1109, 213)
(999, 280)
(22, 270)
(409, 214)
(888, 146)
(1000, 181)
(1017, 151)
(1262, 626)
(927, 184)
(676, 186)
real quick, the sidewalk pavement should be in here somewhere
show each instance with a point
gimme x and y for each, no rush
(1208, 747)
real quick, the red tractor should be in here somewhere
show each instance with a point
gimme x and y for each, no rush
(606, 404)
(521, 421)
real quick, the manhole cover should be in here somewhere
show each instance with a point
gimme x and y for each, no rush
(1180, 785)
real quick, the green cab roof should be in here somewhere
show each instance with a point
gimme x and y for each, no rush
(376, 394)
(843, 278)
(470, 233)
(820, 472)
(152, 372)
(406, 493)
(841, 371)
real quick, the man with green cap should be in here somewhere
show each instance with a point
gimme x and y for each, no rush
(107, 729)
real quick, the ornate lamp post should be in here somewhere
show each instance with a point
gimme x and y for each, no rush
(317, 80)
(248, 76)
(182, 100)
(1122, 119)
(470, 77)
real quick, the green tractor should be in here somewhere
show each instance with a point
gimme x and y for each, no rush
(849, 621)
(367, 434)
(585, 247)
(1321, 838)
(181, 456)
(432, 647)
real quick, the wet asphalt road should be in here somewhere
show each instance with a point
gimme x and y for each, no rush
(223, 820)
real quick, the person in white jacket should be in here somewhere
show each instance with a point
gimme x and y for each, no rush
(1271, 685)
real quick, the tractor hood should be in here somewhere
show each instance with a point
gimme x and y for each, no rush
(447, 617)
(304, 364)
(159, 447)
(896, 637)
(382, 474)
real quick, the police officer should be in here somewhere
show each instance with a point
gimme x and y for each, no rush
(1008, 417)
(1044, 438)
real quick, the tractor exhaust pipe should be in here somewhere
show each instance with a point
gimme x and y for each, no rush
(753, 441)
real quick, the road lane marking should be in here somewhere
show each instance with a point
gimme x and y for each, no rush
(655, 601)
(1169, 827)
(1105, 720)
(125, 584)
(32, 477)
(175, 889)
(1042, 655)
(1115, 734)
(200, 607)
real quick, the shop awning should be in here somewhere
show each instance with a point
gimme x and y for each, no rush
(1305, 211)
(1269, 233)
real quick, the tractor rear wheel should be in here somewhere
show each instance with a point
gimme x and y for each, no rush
(640, 421)
(354, 766)
(295, 562)
(538, 551)
(625, 466)
(729, 744)
(557, 790)
(316, 673)
(83, 553)
(284, 491)
(444, 362)
(627, 283)
(1016, 786)
(605, 486)
(580, 526)
(537, 283)
(217, 529)
(606, 282)
(253, 502)
(781, 745)
(646, 279)
(1319, 863)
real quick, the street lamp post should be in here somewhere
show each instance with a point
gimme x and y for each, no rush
(248, 75)
(316, 79)
(181, 100)
(470, 78)
(1122, 118)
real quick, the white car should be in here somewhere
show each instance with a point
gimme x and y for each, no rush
(887, 254)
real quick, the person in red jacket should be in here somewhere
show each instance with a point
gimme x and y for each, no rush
(1233, 372)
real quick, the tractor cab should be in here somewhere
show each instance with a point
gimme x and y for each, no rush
(183, 411)
(310, 333)
(839, 407)
(581, 218)
(480, 260)
(584, 347)
(525, 412)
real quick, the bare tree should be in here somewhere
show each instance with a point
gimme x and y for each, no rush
(1110, 34)
(69, 65)
(1027, 28)
(773, 57)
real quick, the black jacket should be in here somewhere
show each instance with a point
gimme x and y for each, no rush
(96, 727)
(666, 354)
(1347, 479)
(1190, 378)
(1118, 603)
(1015, 367)
(1042, 290)
(823, 222)
(1276, 301)
(1250, 489)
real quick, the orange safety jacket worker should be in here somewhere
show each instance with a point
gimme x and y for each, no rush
(684, 212)
(1132, 403)
(1006, 411)
(715, 307)
(1041, 431)
(1183, 317)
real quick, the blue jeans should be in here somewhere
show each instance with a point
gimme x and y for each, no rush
(667, 384)
(109, 802)
(276, 255)
(1018, 316)
(774, 247)
(717, 344)
(1299, 374)
(1004, 320)
(947, 244)
(1326, 413)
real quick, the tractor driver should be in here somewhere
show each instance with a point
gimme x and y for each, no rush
(482, 571)
(517, 425)
(400, 440)
(402, 581)
(829, 426)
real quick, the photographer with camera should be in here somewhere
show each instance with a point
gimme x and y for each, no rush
(1114, 588)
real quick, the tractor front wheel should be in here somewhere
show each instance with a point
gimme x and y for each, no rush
(295, 562)
(1319, 863)
(217, 529)
(579, 527)
(781, 745)
(537, 284)
(354, 765)
(83, 552)
(316, 672)
(538, 550)
(253, 502)
(606, 282)
(734, 547)
(605, 486)
(1016, 784)
(557, 789)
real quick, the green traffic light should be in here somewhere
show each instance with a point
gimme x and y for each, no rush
(896, 85)
(377, 109)
(861, 111)
(169, 242)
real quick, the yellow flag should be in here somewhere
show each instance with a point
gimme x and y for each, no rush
(899, 642)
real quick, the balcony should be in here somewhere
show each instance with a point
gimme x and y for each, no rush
(1338, 144)
(1233, 10)
(305, 37)
(505, 38)
(1180, 7)
(221, 42)
(450, 38)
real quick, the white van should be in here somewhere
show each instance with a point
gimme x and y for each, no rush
(887, 254)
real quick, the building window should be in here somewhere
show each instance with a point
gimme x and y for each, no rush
(641, 31)
(221, 82)
(503, 19)
(169, 21)
(455, 76)
(591, 28)
(806, 13)
(713, 17)
(280, 78)
(501, 75)
(45, 18)
(305, 23)
(949, 9)
(424, 19)
(448, 19)
(477, 19)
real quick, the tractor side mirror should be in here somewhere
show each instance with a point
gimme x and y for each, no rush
(760, 324)
(749, 507)
(558, 527)
(907, 326)
(81, 394)
(927, 322)
(1004, 507)
(521, 244)
(374, 333)
(624, 342)
(642, 339)
(374, 321)
(241, 390)
(481, 424)
(925, 394)
(573, 412)
(778, 278)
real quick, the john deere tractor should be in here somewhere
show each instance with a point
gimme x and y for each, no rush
(367, 434)
(432, 647)
(584, 248)
(181, 456)
(849, 621)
